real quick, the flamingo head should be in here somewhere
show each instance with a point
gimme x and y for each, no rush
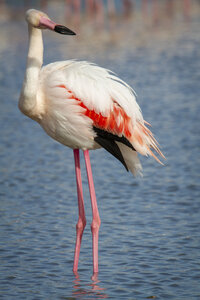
(40, 20)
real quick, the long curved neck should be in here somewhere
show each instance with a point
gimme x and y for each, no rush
(28, 99)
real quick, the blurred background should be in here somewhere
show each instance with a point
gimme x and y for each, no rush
(149, 236)
(103, 23)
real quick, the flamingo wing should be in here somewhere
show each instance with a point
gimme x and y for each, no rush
(110, 106)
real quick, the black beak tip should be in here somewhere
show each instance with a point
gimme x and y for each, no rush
(63, 30)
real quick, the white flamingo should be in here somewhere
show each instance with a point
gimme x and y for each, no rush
(85, 107)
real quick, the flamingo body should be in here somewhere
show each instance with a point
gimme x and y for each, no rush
(83, 106)
(78, 97)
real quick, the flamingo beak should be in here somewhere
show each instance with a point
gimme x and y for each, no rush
(63, 30)
(47, 23)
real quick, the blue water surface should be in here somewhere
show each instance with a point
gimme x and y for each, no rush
(149, 245)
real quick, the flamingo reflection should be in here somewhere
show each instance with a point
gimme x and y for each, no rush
(92, 289)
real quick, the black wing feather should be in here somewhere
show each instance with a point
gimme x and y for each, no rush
(108, 141)
(111, 147)
(110, 136)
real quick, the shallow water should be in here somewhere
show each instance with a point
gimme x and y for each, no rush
(149, 236)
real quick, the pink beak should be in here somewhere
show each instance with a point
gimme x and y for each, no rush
(55, 27)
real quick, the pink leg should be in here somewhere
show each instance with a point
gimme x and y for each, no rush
(96, 219)
(81, 220)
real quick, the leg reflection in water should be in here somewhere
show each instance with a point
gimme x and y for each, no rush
(80, 287)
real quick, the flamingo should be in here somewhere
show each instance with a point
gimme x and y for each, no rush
(83, 106)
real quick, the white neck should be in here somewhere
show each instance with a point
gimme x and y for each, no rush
(28, 99)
